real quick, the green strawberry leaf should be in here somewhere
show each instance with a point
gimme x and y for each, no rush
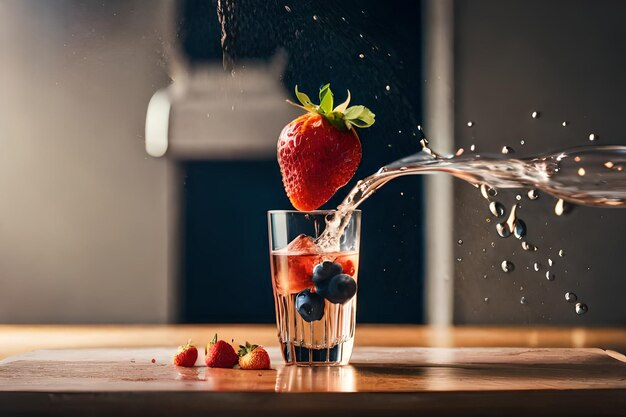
(326, 100)
(360, 116)
(343, 106)
(353, 112)
(307, 104)
(244, 350)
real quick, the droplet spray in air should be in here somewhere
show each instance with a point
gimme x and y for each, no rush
(503, 230)
(559, 208)
(487, 192)
(519, 228)
(507, 266)
(496, 208)
(581, 308)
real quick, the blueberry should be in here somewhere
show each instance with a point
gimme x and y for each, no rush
(325, 271)
(340, 289)
(321, 288)
(310, 305)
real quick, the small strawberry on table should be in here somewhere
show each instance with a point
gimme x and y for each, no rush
(253, 357)
(185, 356)
(220, 354)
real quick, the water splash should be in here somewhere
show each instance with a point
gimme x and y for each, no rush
(554, 174)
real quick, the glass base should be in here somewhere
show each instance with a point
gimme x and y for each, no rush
(337, 355)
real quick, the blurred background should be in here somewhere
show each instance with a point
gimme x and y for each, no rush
(136, 171)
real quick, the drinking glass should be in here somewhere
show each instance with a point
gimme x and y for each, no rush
(325, 340)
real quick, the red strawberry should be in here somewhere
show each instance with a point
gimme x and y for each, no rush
(220, 354)
(186, 355)
(319, 152)
(253, 357)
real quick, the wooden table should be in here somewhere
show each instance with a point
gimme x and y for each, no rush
(106, 370)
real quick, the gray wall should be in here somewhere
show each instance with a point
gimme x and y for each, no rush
(82, 207)
(566, 60)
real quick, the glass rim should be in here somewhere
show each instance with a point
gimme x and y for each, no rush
(308, 212)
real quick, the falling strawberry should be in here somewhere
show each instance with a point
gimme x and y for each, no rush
(319, 152)
(186, 355)
(220, 354)
(253, 357)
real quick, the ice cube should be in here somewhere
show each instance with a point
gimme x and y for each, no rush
(303, 244)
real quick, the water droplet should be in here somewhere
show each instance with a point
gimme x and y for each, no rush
(550, 263)
(288, 9)
(493, 244)
(460, 242)
(522, 142)
(533, 194)
(496, 208)
(486, 299)
(581, 171)
(484, 250)
(485, 276)
(518, 197)
(562, 207)
(361, 56)
(486, 191)
(581, 308)
(535, 115)
(503, 230)
(523, 300)
(570, 297)
(519, 228)
(527, 246)
(550, 275)
(459, 152)
(536, 266)
(507, 150)
(593, 137)
(507, 266)
(470, 124)
(315, 17)
(459, 259)
(565, 123)
(609, 164)
(561, 253)
(387, 88)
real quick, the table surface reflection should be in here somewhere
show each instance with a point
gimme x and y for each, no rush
(450, 371)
